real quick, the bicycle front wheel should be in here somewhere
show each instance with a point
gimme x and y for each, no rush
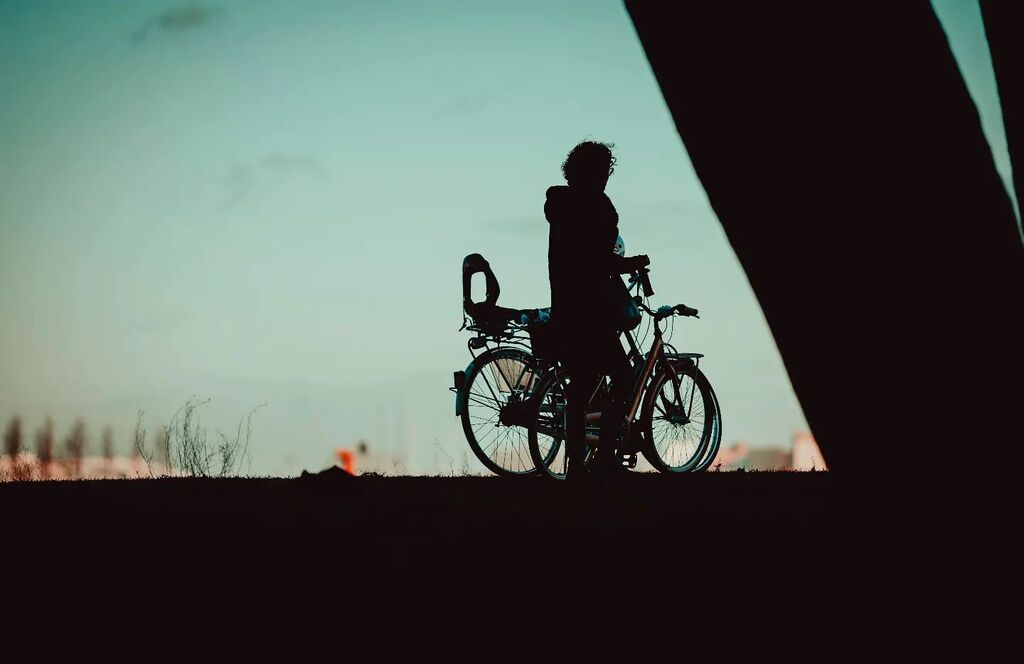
(494, 411)
(680, 419)
(716, 437)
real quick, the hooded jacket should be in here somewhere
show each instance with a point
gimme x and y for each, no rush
(583, 227)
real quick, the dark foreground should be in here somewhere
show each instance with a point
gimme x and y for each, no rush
(431, 524)
(454, 556)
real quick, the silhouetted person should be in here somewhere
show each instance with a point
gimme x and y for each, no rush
(581, 264)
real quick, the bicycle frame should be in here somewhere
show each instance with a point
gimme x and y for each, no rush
(640, 384)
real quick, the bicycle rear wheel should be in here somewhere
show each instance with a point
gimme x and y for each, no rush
(680, 420)
(497, 386)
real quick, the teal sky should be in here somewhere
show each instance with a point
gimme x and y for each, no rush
(269, 202)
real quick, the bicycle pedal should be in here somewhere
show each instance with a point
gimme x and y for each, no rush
(628, 459)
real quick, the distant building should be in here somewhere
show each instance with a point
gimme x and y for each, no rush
(803, 455)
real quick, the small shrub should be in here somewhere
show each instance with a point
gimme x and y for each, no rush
(12, 438)
(75, 445)
(184, 447)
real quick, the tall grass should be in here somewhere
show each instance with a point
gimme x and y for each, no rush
(184, 446)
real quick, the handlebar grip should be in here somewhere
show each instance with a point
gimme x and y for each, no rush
(684, 310)
(645, 282)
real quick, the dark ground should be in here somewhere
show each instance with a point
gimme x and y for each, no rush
(441, 551)
(413, 506)
(729, 522)
(653, 561)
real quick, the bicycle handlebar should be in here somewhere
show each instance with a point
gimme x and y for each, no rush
(684, 310)
(645, 281)
(666, 311)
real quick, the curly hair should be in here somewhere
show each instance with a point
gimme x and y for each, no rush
(589, 160)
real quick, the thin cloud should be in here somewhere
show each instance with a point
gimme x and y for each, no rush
(294, 163)
(177, 19)
(462, 105)
(517, 225)
(241, 180)
(238, 183)
(159, 322)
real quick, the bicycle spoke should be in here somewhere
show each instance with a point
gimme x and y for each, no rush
(490, 388)
(483, 402)
(522, 463)
(492, 421)
(677, 439)
(503, 443)
(494, 437)
(485, 399)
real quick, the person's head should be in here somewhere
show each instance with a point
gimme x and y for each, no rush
(589, 165)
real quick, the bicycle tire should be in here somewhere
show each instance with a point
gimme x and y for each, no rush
(675, 412)
(501, 448)
(547, 422)
(716, 441)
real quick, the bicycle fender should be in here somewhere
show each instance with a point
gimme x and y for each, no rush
(682, 361)
(460, 391)
(459, 380)
(460, 394)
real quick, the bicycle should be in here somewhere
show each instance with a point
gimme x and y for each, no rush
(673, 418)
(492, 392)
